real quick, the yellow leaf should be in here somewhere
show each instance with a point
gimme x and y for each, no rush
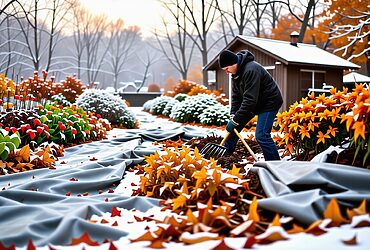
(178, 202)
(25, 153)
(253, 214)
(333, 212)
(276, 221)
(235, 171)
(360, 128)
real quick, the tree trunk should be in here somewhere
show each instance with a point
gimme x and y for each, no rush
(311, 3)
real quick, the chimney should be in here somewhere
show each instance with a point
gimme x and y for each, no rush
(294, 38)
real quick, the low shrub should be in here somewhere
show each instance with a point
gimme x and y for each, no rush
(158, 106)
(169, 107)
(215, 115)
(192, 107)
(108, 106)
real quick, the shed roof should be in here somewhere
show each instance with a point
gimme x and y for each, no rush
(289, 54)
(355, 77)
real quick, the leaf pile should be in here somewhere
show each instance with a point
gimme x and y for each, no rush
(25, 159)
(183, 178)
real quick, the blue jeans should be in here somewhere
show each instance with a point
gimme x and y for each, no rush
(265, 122)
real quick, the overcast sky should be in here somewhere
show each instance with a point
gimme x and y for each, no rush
(144, 13)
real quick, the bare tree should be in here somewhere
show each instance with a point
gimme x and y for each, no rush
(148, 62)
(94, 29)
(179, 53)
(201, 15)
(354, 33)
(122, 41)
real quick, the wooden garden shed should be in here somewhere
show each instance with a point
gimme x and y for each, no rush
(295, 66)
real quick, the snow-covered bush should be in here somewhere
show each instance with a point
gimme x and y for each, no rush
(192, 107)
(148, 104)
(159, 105)
(109, 106)
(215, 115)
(61, 99)
(169, 106)
(180, 97)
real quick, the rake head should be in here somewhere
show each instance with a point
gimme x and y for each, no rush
(213, 150)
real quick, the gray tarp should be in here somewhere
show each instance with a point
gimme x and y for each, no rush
(47, 215)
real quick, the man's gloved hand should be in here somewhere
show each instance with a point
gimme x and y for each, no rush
(231, 125)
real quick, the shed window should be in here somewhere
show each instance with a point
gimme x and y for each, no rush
(313, 79)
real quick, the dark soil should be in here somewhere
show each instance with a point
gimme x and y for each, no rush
(346, 158)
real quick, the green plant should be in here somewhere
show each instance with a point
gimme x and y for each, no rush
(159, 105)
(61, 100)
(8, 143)
(192, 107)
(169, 106)
(215, 115)
(180, 97)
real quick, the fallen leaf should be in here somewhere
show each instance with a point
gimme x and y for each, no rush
(272, 234)
(357, 211)
(222, 246)
(73, 179)
(178, 202)
(333, 212)
(93, 159)
(30, 245)
(147, 236)
(351, 242)
(115, 212)
(115, 224)
(296, 229)
(315, 228)
(85, 238)
(110, 190)
(12, 247)
(112, 246)
(68, 193)
(250, 242)
(104, 221)
(253, 214)
(244, 227)
(156, 244)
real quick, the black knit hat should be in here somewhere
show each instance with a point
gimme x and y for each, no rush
(227, 58)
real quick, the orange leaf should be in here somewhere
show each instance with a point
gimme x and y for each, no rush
(333, 212)
(357, 211)
(315, 228)
(272, 234)
(25, 153)
(178, 202)
(360, 128)
(253, 214)
(85, 238)
(148, 236)
(296, 229)
(156, 244)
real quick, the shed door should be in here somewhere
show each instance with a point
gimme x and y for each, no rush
(311, 79)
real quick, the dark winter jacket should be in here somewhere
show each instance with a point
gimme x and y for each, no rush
(253, 89)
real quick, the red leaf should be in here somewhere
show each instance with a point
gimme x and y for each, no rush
(2, 247)
(68, 193)
(85, 194)
(63, 162)
(103, 221)
(250, 242)
(110, 191)
(133, 184)
(112, 246)
(73, 179)
(93, 159)
(222, 246)
(138, 219)
(106, 200)
(115, 212)
(85, 238)
(100, 191)
(52, 167)
(115, 224)
(30, 245)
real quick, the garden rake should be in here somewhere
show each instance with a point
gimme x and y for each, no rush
(218, 150)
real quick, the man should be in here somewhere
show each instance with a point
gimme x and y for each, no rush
(254, 92)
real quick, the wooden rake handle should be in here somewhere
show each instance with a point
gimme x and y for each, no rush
(224, 140)
(246, 145)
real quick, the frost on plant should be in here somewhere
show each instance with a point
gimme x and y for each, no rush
(215, 115)
(169, 106)
(109, 106)
(61, 99)
(192, 107)
(159, 104)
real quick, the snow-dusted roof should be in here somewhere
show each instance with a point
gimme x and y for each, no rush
(303, 53)
(355, 77)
